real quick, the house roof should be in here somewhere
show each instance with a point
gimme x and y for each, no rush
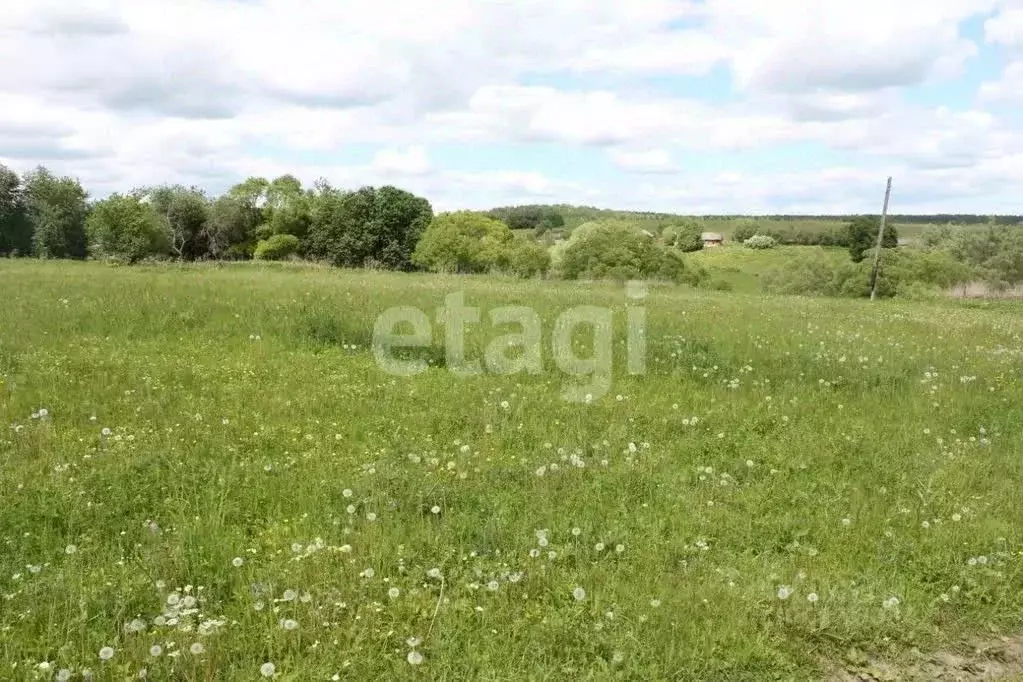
(711, 237)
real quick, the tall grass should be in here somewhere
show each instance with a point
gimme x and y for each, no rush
(224, 435)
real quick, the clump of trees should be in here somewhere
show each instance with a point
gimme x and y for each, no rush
(686, 235)
(902, 272)
(42, 214)
(471, 242)
(539, 219)
(862, 233)
(51, 217)
(617, 251)
(994, 252)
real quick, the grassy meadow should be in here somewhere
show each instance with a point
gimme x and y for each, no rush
(206, 475)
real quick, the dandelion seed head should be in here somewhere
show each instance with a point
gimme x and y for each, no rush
(106, 653)
(267, 669)
(579, 594)
(414, 658)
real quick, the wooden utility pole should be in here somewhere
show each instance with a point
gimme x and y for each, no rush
(880, 239)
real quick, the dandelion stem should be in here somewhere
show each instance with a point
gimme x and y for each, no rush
(440, 598)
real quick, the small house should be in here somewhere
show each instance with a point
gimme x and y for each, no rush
(711, 239)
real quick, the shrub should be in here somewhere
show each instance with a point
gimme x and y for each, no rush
(277, 247)
(464, 242)
(744, 229)
(760, 241)
(813, 274)
(370, 225)
(528, 258)
(123, 227)
(686, 236)
(620, 252)
(862, 235)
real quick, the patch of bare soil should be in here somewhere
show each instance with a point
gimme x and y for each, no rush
(998, 660)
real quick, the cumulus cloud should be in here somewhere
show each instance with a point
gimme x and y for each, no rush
(648, 161)
(411, 161)
(130, 92)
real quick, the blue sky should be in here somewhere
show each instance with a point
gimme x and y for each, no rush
(712, 106)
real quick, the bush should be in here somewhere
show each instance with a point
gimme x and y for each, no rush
(760, 241)
(862, 236)
(380, 226)
(613, 251)
(464, 242)
(686, 236)
(123, 227)
(744, 229)
(812, 274)
(277, 247)
(528, 258)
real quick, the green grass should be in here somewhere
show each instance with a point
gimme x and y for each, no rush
(860, 452)
(742, 268)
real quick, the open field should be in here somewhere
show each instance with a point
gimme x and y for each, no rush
(224, 478)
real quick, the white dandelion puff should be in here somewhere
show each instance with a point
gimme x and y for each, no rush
(579, 594)
(196, 648)
(237, 562)
(784, 592)
(106, 653)
(268, 669)
(414, 658)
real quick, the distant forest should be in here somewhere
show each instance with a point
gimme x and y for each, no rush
(591, 212)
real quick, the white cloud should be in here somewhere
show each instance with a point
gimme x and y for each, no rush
(650, 161)
(130, 92)
(1006, 28)
(411, 161)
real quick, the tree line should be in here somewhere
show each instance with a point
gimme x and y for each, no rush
(48, 216)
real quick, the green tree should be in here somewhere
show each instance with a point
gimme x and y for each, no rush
(57, 209)
(230, 229)
(527, 257)
(464, 242)
(288, 208)
(124, 226)
(400, 219)
(539, 219)
(368, 227)
(15, 228)
(614, 251)
(185, 212)
(744, 228)
(863, 236)
(685, 235)
(277, 247)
